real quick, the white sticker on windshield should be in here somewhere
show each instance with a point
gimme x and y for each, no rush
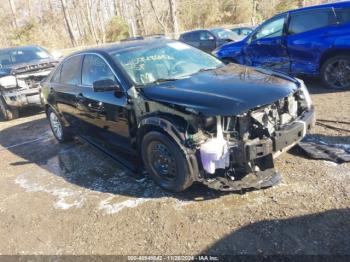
(178, 46)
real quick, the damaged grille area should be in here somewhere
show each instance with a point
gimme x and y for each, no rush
(35, 67)
(265, 121)
(32, 81)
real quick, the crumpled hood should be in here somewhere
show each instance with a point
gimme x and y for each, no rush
(226, 91)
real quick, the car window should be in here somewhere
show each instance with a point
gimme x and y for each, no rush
(204, 36)
(21, 55)
(272, 28)
(56, 77)
(94, 69)
(343, 15)
(310, 20)
(71, 71)
(171, 60)
(190, 36)
(245, 31)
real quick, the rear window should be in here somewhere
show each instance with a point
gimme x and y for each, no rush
(343, 15)
(191, 36)
(310, 20)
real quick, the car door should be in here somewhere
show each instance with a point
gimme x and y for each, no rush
(310, 33)
(266, 47)
(105, 113)
(64, 88)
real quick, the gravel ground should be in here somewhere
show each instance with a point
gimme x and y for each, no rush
(73, 199)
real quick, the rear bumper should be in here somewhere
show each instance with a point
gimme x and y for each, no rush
(284, 139)
(22, 97)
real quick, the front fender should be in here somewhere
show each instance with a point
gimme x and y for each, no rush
(160, 123)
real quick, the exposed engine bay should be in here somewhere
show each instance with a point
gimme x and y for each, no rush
(248, 143)
(237, 152)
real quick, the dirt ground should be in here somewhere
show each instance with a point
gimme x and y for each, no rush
(73, 199)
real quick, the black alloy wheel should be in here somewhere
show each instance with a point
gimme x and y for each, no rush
(335, 72)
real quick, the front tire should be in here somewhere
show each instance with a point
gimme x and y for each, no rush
(7, 113)
(60, 132)
(335, 72)
(165, 162)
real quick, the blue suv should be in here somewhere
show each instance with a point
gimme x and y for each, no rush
(311, 41)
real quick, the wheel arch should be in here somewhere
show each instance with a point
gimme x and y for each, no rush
(48, 106)
(173, 127)
(332, 53)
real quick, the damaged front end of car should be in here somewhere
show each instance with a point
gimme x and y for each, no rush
(239, 150)
(20, 86)
(231, 153)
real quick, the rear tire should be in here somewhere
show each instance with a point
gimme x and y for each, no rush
(335, 72)
(7, 113)
(60, 132)
(165, 162)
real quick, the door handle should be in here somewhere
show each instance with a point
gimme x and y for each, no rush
(80, 98)
(97, 108)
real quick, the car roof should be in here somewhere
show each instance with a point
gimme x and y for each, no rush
(336, 4)
(124, 45)
(19, 47)
(243, 27)
(218, 28)
(194, 31)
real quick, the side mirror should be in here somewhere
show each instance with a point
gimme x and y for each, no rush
(106, 85)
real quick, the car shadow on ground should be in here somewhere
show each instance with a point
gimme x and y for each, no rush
(25, 112)
(81, 164)
(326, 233)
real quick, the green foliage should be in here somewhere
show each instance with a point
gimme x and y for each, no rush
(116, 30)
(33, 32)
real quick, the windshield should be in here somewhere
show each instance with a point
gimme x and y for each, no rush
(165, 62)
(224, 34)
(14, 56)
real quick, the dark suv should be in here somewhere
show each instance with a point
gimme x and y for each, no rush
(21, 71)
(186, 114)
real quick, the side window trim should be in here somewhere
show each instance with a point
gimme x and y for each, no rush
(110, 67)
(56, 71)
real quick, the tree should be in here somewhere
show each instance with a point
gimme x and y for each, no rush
(174, 16)
(14, 14)
(68, 23)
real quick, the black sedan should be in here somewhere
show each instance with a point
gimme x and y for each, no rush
(183, 112)
(209, 39)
